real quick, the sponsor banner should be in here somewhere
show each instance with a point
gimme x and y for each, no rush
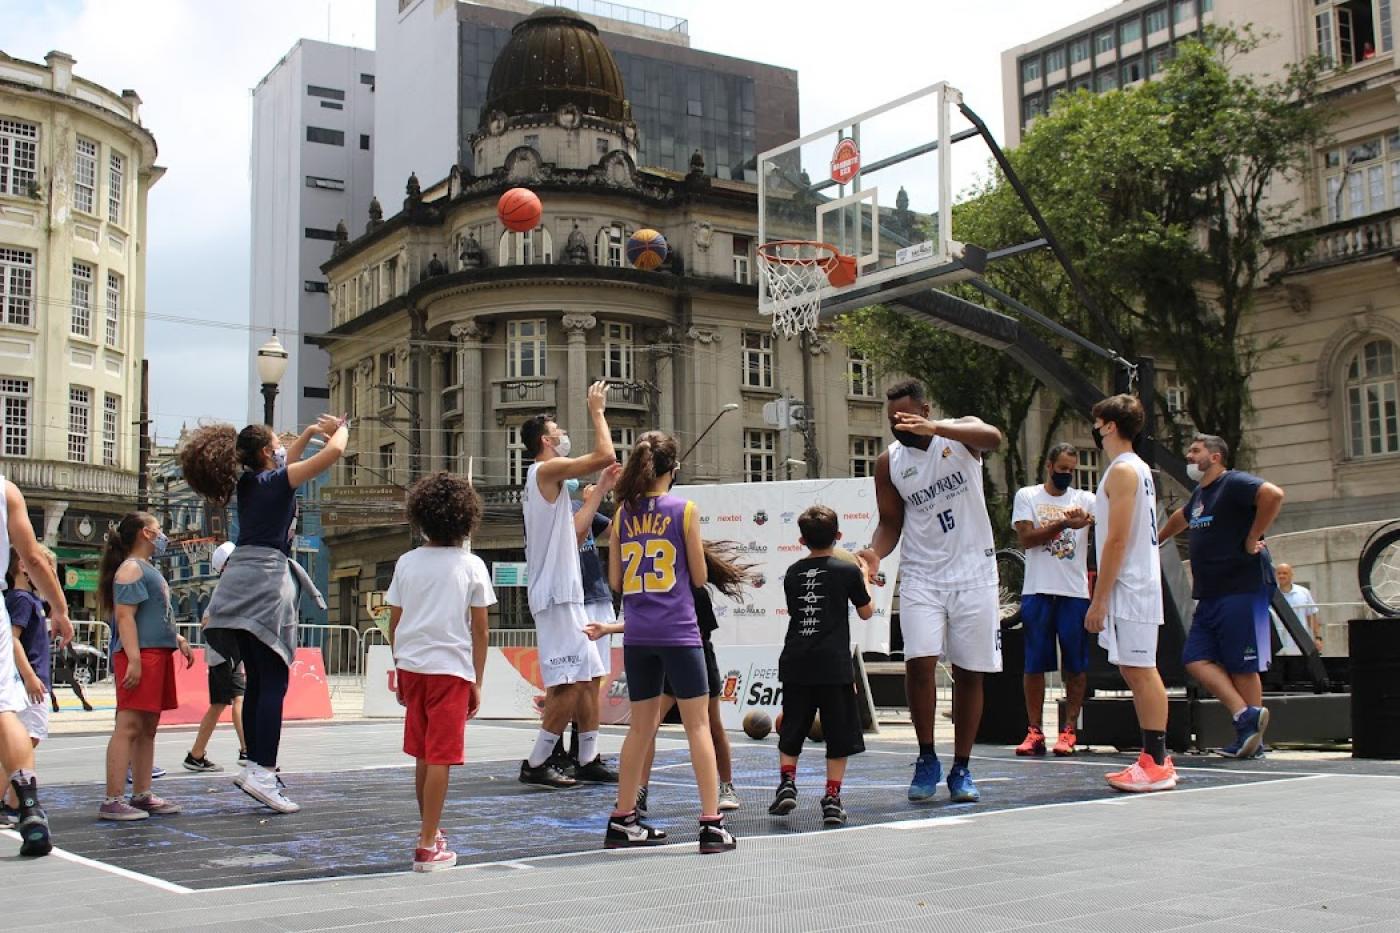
(308, 696)
(762, 519)
(749, 681)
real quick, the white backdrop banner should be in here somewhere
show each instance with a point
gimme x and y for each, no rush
(762, 519)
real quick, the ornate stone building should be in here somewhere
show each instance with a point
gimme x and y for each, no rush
(449, 331)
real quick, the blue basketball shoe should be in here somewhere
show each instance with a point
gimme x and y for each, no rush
(960, 786)
(928, 771)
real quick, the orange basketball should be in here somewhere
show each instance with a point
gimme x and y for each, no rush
(519, 209)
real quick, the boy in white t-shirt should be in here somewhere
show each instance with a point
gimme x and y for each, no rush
(437, 629)
(1052, 521)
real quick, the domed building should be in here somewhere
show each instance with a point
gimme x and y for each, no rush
(449, 331)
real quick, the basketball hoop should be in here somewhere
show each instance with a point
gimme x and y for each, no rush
(794, 272)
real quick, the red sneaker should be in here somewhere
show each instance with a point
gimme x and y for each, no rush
(1064, 746)
(433, 859)
(1034, 743)
(1144, 776)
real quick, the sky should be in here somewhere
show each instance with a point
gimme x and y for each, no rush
(195, 62)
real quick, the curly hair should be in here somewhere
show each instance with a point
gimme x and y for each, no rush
(654, 455)
(444, 508)
(726, 572)
(215, 456)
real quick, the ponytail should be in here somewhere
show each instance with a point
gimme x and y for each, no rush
(654, 455)
(726, 572)
(216, 455)
(121, 537)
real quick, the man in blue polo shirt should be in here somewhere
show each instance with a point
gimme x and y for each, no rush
(1232, 581)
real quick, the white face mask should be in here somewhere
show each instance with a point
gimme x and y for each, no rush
(562, 447)
(1194, 472)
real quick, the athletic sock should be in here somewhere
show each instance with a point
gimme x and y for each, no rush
(715, 820)
(926, 748)
(544, 747)
(961, 761)
(788, 773)
(587, 746)
(626, 816)
(1155, 744)
(833, 788)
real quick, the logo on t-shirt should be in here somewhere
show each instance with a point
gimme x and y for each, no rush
(760, 517)
(1064, 545)
(1198, 517)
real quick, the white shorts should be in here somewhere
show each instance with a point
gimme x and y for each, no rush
(567, 654)
(13, 699)
(602, 612)
(1129, 643)
(35, 717)
(963, 626)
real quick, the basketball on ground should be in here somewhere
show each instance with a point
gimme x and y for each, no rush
(815, 733)
(519, 210)
(778, 723)
(647, 249)
(757, 725)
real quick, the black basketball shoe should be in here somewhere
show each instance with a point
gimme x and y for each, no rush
(546, 775)
(715, 838)
(626, 832)
(785, 800)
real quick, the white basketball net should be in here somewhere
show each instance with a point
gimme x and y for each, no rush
(794, 272)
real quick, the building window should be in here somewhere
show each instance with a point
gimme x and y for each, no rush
(623, 439)
(527, 249)
(311, 285)
(758, 360)
(367, 79)
(331, 105)
(85, 176)
(864, 452)
(1362, 178)
(760, 456)
(1030, 69)
(364, 141)
(319, 134)
(603, 146)
(329, 184)
(860, 375)
(1103, 42)
(1157, 60)
(1054, 60)
(1086, 472)
(17, 286)
(517, 460)
(1156, 20)
(352, 468)
(19, 160)
(1129, 31)
(1032, 107)
(114, 309)
(79, 422)
(1183, 10)
(319, 233)
(387, 462)
(1106, 80)
(116, 180)
(609, 248)
(352, 397)
(1079, 50)
(388, 377)
(525, 349)
(1132, 71)
(111, 421)
(15, 394)
(1351, 31)
(1371, 393)
(327, 92)
(741, 249)
(81, 309)
(1173, 393)
(618, 352)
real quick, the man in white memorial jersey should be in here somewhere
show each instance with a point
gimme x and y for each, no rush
(1126, 609)
(569, 661)
(928, 487)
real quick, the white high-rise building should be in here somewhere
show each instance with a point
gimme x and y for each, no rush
(313, 119)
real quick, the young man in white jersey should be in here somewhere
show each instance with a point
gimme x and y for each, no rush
(569, 663)
(1052, 526)
(928, 487)
(16, 749)
(1126, 609)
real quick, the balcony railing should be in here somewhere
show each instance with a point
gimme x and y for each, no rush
(534, 393)
(1342, 242)
(632, 395)
(55, 476)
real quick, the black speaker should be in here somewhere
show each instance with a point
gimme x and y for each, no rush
(1375, 687)
(1003, 696)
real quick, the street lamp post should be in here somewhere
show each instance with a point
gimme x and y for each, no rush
(272, 366)
(732, 406)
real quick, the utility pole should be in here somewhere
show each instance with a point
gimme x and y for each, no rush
(143, 466)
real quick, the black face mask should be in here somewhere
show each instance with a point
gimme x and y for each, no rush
(1061, 481)
(907, 438)
(1098, 438)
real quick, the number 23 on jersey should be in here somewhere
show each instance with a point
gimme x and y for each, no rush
(660, 577)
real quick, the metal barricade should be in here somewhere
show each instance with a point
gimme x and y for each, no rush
(89, 659)
(511, 638)
(340, 647)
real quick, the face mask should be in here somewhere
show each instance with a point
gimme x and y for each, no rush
(572, 485)
(161, 543)
(1098, 438)
(279, 457)
(1195, 472)
(907, 438)
(1061, 481)
(563, 446)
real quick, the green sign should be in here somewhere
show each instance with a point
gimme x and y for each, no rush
(83, 581)
(508, 573)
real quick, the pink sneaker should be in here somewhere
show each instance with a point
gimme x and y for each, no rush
(156, 806)
(1144, 776)
(121, 811)
(433, 859)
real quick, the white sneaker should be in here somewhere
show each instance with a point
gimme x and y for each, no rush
(261, 784)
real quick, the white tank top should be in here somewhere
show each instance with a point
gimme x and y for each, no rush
(1137, 593)
(551, 547)
(947, 539)
(4, 528)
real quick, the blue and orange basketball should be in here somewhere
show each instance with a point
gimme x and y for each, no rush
(519, 210)
(647, 249)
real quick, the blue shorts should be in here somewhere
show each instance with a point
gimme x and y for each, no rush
(1047, 618)
(650, 666)
(1232, 631)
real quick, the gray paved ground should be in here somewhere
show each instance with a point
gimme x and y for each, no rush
(1281, 845)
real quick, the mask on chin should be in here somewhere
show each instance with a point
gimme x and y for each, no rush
(563, 447)
(1061, 481)
(1194, 472)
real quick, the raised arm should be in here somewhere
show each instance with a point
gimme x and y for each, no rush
(972, 432)
(891, 524)
(337, 434)
(583, 518)
(36, 562)
(555, 471)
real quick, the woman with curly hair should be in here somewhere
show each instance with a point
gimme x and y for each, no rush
(257, 595)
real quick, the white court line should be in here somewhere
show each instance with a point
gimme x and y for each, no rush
(127, 873)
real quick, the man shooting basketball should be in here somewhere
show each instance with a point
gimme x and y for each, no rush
(569, 659)
(928, 486)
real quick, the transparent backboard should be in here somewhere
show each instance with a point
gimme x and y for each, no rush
(877, 187)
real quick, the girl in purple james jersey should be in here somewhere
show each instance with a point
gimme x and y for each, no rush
(655, 559)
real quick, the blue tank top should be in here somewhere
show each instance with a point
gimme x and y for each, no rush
(657, 605)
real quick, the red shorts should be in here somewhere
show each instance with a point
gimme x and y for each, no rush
(156, 691)
(435, 723)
